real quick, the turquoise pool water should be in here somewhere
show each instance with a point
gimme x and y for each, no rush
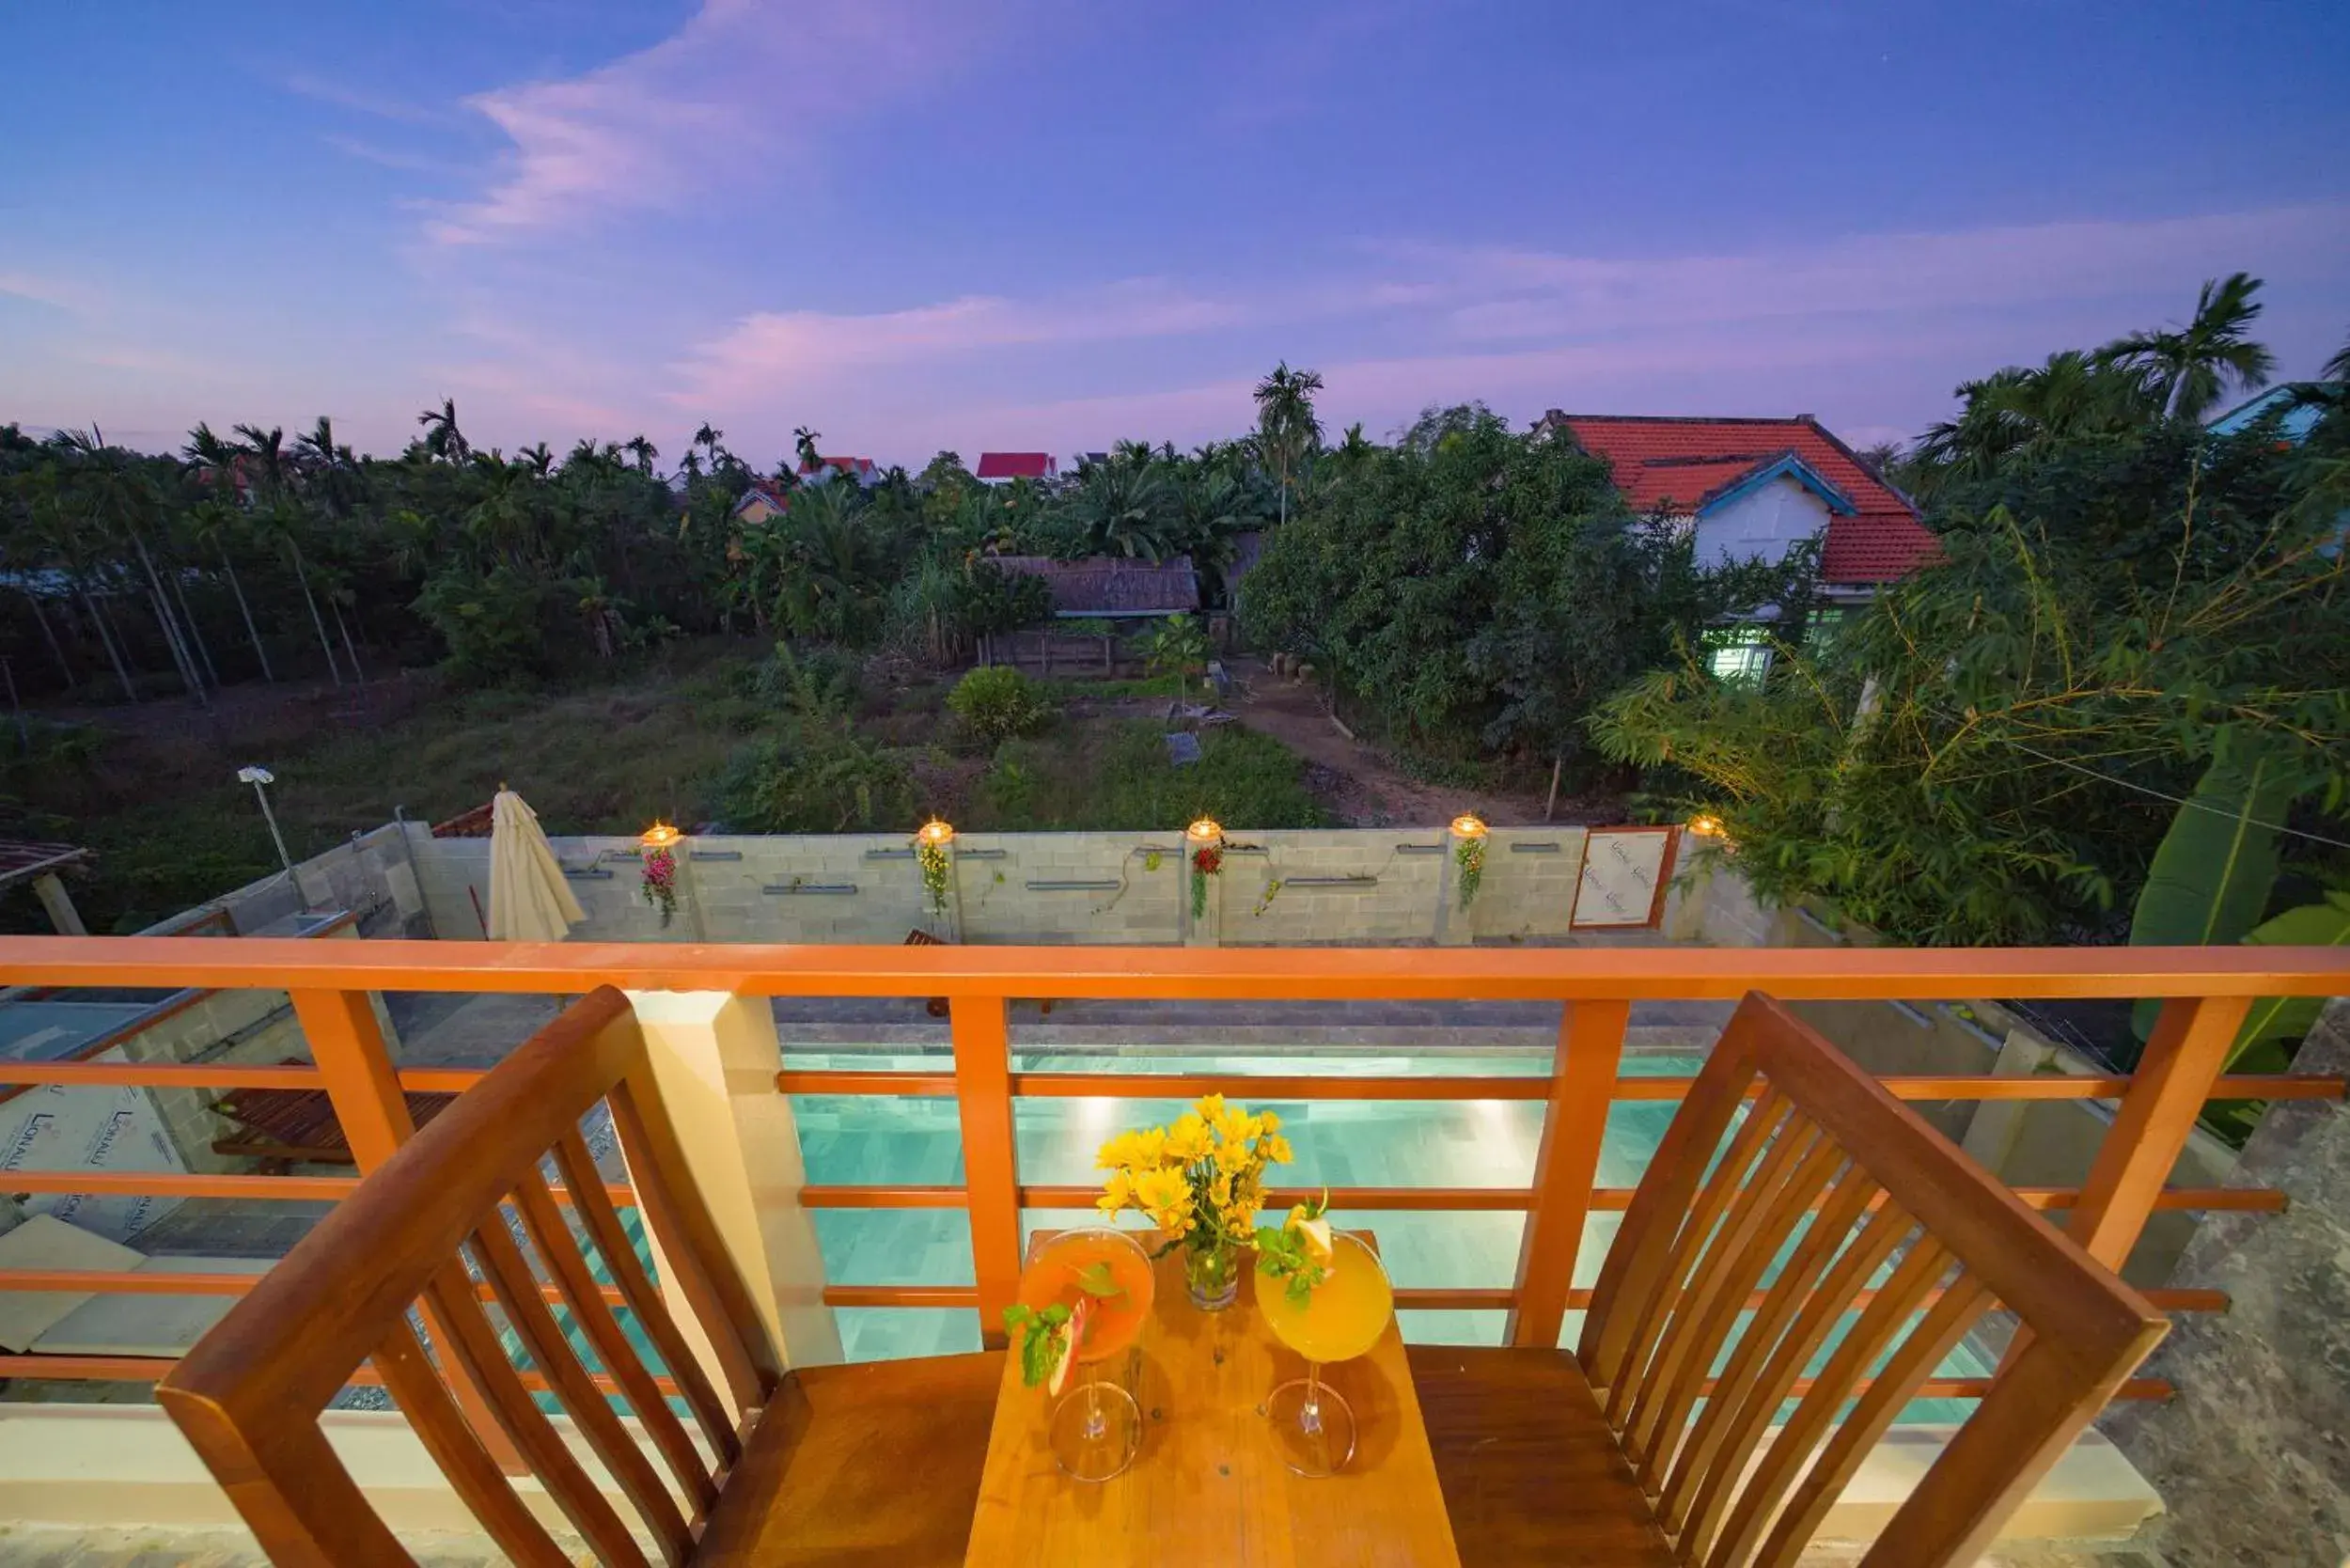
(866, 1139)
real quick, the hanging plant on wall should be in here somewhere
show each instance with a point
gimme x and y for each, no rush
(1468, 857)
(661, 880)
(932, 857)
(1206, 861)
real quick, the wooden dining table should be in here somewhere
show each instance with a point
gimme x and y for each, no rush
(1209, 1486)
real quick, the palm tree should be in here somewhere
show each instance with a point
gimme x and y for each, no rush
(281, 515)
(441, 438)
(643, 451)
(804, 441)
(1286, 425)
(215, 523)
(2191, 366)
(2338, 368)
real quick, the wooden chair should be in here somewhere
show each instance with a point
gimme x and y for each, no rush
(1603, 1456)
(280, 1127)
(819, 1465)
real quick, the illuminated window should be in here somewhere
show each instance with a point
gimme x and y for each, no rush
(1738, 653)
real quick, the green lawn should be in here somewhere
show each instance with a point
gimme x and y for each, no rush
(606, 757)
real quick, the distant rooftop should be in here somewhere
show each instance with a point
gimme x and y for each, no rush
(1016, 465)
(1107, 586)
(1682, 465)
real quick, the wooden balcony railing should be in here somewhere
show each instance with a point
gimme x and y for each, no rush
(2206, 993)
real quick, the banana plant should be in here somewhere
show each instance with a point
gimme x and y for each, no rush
(2324, 924)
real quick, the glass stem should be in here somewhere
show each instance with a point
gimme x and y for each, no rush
(1310, 1414)
(1096, 1428)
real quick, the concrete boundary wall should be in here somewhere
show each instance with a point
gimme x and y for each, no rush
(1375, 885)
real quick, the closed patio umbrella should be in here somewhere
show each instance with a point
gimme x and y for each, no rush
(530, 900)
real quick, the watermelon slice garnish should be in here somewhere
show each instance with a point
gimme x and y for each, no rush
(1073, 1335)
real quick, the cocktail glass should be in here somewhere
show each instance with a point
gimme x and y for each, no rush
(1340, 1319)
(1097, 1426)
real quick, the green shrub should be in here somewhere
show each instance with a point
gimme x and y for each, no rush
(812, 682)
(999, 703)
(820, 780)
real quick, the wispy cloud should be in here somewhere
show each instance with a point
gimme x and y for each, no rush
(394, 158)
(58, 294)
(780, 352)
(367, 101)
(1868, 330)
(745, 83)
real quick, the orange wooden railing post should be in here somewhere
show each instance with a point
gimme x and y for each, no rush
(347, 1042)
(2181, 1062)
(1566, 1167)
(991, 1176)
(348, 1045)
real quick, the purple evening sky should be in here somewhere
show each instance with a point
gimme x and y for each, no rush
(916, 223)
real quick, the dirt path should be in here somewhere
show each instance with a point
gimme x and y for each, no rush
(1359, 784)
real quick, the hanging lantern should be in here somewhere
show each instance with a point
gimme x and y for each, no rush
(659, 836)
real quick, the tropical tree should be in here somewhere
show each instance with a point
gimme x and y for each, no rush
(1287, 428)
(2189, 367)
(441, 438)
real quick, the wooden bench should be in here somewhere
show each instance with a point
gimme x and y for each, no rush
(284, 1125)
(834, 1464)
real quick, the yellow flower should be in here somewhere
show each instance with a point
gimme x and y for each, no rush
(1141, 1151)
(1187, 1140)
(1234, 1127)
(1275, 1149)
(1211, 1107)
(1220, 1190)
(1117, 1193)
(1166, 1194)
(1240, 1218)
(1271, 1122)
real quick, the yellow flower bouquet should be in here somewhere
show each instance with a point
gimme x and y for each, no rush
(1202, 1181)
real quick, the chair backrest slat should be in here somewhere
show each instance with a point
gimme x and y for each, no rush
(595, 1207)
(1655, 1293)
(1889, 1245)
(558, 1248)
(463, 1203)
(1912, 1362)
(408, 1376)
(1719, 1255)
(1747, 1253)
(1724, 1431)
(526, 1312)
(473, 1345)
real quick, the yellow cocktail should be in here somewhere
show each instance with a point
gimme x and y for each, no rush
(1340, 1317)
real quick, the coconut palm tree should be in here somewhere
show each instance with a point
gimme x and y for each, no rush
(643, 451)
(441, 438)
(2193, 365)
(1286, 425)
(215, 523)
(280, 516)
(2338, 368)
(804, 442)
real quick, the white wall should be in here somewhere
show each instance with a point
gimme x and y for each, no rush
(1766, 523)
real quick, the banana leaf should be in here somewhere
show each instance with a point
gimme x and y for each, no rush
(2312, 925)
(2211, 877)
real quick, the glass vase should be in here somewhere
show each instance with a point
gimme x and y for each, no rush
(1211, 1272)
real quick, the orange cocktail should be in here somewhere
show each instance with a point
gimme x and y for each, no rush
(1063, 1268)
(1097, 1286)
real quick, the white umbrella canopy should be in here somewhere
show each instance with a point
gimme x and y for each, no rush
(530, 900)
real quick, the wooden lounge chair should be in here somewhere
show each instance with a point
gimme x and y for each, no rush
(1600, 1457)
(283, 1125)
(821, 1465)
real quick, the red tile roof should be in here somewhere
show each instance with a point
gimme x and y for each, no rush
(1677, 464)
(1014, 465)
